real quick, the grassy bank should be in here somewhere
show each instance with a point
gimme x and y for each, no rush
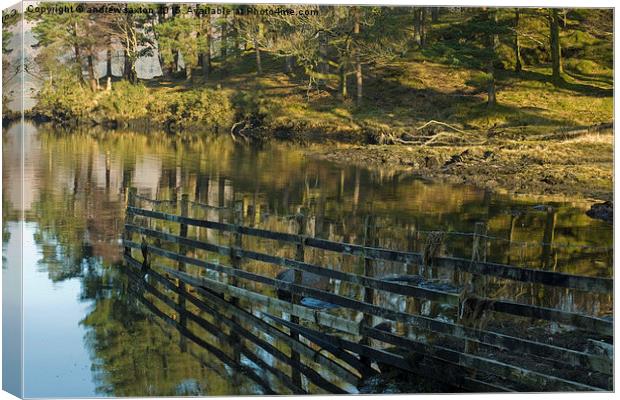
(576, 168)
(542, 138)
(533, 141)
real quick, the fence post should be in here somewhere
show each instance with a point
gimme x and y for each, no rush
(300, 250)
(235, 261)
(547, 248)
(479, 253)
(370, 240)
(236, 240)
(181, 266)
(300, 255)
(479, 245)
(131, 202)
(469, 313)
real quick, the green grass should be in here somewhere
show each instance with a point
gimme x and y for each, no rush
(408, 92)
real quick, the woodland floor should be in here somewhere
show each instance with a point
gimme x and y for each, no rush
(536, 141)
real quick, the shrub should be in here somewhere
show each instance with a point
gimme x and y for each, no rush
(64, 99)
(198, 107)
(125, 102)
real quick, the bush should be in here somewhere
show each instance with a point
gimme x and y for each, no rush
(198, 107)
(64, 99)
(125, 102)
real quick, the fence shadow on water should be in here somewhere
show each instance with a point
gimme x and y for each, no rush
(460, 321)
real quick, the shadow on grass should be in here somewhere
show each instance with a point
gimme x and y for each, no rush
(578, 88)
(390, 102)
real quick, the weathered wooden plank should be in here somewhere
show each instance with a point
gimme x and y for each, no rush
(235, 329)
(571, 357)
(586, 283)
(221, 250)
(579, 282)
(458, 375)
(507, 342)
(392, 287)
(318, 317)
(299, 347)
(585, 322)
(537, 380)
(373, 283)
(298, 310)
(370, 239)
(311, 315)
(131, 202)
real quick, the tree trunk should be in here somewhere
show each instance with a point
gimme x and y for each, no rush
(175, 62)
(133, 74)
(564, 18)
(358, 63)
(434, 14)
(289, 63)
(236, 41)
(223, 52)
(556, 52)
(92, 80)
(417, 25)
(259, 66)
(78, 62)
(166, 70)
(343, 82)
(493, 43)
(129, 69)
(188, 72)
(323, 65)
(491, 91)
(518, 65)
(126, 64)
(77, 53)
(206, 55)
(423, 27)
(108, 58)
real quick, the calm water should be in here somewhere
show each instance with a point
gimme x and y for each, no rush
(87, 333)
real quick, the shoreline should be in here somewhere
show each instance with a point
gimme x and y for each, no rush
(569, 167)
(493, 167)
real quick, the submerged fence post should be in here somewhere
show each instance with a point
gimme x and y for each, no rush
(235, 260)
(236, 241)
(548, 236)
(470, 314)
(479, 253)
(370, 240)
(181, 266)
(131, 202)
(300, 255)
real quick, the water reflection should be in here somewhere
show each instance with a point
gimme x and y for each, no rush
(74, 203)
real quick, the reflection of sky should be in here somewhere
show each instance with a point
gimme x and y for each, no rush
(56, 362)
(12, 310)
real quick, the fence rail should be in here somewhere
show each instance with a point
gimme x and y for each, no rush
(462, 345)
(586, 283)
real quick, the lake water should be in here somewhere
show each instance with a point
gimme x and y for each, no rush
(85, 331)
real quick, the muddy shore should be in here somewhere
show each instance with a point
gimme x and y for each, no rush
(579, 169)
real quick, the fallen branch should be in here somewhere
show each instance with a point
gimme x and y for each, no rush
(232, 130)
(577, 132)
(442, 124)
(445, 135)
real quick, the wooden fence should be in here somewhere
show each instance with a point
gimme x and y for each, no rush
(462, 350)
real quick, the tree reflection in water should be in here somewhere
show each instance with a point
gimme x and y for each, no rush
(76, 193)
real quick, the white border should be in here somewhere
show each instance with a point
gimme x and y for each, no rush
(522, 3)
